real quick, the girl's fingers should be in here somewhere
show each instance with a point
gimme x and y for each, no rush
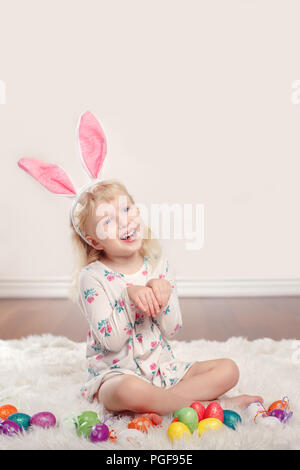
(158, 295)
(155, 303)
(152, 302)
(142, 304)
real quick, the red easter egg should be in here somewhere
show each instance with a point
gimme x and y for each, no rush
(174, 420)
(214, 410)
(199, 408)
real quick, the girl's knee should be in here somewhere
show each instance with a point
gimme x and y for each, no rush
(229, 373)
(131, 393)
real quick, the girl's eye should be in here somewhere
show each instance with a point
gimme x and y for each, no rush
(126, 209)
(107, 220)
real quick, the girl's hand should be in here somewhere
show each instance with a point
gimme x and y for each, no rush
(144, 298)
(161, 289)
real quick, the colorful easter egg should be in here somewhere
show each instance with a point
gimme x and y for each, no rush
(177, 430)
(22, 419)
(231, 418)
(7, 410)
(99, 433)
(277, 413)
(256, 411)
(88, 417)
(85, 422)
(44, 419)
(187, 416)
(199, 408)
(279, 405)
(9, 428)
(209, 424)
(214, 410)
(140, 423)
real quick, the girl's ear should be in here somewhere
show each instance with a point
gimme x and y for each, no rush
(92, 144)
(52, 176)
(93, 243)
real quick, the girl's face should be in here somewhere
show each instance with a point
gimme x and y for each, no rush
(112, 223)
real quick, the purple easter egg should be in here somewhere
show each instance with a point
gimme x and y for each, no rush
(277, 413)
(44, 419)
(9, 428)
(99, 432)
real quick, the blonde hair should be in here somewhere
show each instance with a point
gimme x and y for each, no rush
(84, 254)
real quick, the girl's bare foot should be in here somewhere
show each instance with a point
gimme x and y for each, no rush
(154, 417)
(241, 401)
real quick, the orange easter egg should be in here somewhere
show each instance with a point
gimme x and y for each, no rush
(279, 405)
(7, 410)
(141, 424)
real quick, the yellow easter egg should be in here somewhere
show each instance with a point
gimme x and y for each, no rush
(209, 424)
(177, 430)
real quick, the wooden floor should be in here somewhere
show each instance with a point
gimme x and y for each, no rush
(208, 318)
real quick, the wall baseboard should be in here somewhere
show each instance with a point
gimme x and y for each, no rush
(59, 288)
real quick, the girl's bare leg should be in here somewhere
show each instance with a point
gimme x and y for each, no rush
(208, 380)
(204, 381)
(127, 392)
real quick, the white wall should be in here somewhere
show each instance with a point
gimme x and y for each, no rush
(195, 100)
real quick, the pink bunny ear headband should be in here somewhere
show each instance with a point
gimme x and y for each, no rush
(93, 148)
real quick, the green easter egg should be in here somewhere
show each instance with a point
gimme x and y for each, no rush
(85, 422)
(22, 419)
(88, 417)
(187, 416)
(231, 418)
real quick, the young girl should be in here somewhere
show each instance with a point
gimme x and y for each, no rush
(127, 292)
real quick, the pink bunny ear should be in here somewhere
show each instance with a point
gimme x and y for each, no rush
(49, 175)
(92, 144)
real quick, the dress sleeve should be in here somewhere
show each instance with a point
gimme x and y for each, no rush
(112, 325)
(169, 318)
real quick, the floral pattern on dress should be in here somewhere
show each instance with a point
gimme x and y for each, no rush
(90, 294)
(111, 275)
(173, 381)
(115, 366)
(129, 328)
(139, 337)
(92, 372)
(119, 305)
(104, 327)
(139, 319)
(166, 311)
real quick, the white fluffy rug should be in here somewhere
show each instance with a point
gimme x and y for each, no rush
(44, 373)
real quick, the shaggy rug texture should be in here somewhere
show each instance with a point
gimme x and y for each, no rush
(45, 373)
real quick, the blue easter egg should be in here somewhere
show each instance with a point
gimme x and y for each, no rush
(231, 418)
(22, 419)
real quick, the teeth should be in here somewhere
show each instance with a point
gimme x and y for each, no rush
(128, 236)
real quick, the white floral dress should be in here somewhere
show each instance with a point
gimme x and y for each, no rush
(122, 339)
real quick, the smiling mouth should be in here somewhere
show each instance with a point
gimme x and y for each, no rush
(130, 236)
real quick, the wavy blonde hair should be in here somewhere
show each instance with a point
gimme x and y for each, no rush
(84, 254)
